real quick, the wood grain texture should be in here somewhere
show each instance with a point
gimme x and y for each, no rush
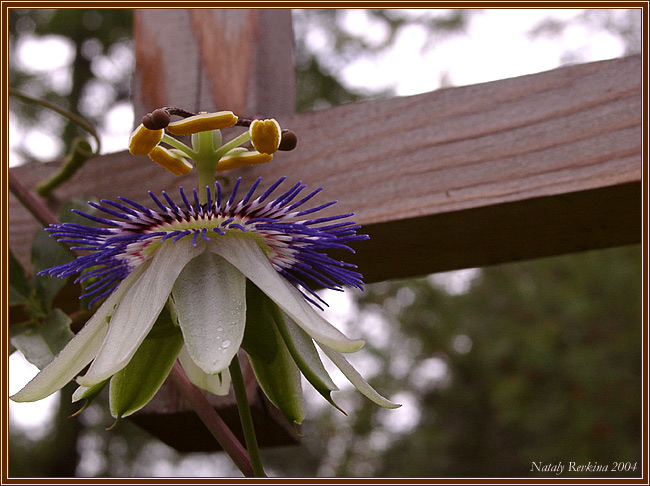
(214, 59)
(519, 168)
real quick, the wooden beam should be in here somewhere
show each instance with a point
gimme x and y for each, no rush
(461, 177)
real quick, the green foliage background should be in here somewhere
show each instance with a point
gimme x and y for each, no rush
(537, 361)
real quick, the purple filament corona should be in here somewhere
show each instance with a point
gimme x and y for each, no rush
(297, 243)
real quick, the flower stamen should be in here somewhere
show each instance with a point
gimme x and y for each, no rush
(265, 135)
(171, 161)
(143, 140)
(203, 122)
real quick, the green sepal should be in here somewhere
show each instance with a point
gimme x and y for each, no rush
(40, 343)
(67, 215)
(135, 385)
(19, 284)
(259, 337)
(16, 330)
(280, 380)
(88, 394)
(305, 355)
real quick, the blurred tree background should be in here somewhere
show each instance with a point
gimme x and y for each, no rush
(533, 361)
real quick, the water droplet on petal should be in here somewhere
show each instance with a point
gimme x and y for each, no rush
(225, 343)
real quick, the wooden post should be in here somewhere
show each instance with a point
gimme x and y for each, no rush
(214, 59)
(520, 168)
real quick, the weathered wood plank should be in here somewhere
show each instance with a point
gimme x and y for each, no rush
(207, 59)
(519, 168)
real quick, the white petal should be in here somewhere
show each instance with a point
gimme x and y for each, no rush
(210, 302)
(139, 308)
(219, 384)
(248, 257)
(80, 350)
(356, 379)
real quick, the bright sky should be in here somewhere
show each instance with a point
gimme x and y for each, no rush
(496, 47)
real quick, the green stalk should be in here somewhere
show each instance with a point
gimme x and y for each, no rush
(79, 153)
(177, 144)
(235, 142)
(246, 417)
(206, 162)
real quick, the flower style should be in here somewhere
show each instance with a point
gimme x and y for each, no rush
(198, 280)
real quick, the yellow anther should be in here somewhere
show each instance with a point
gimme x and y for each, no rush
(265, 135)
(237, 160)
(170, 161)
(143, 140)
(202, 123)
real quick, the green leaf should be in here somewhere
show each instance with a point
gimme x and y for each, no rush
(41, 343)
(15, 297)
(259, 338)
(47, 252)
(135, 385)
(66, 215)
(15, 330)
(19, 285)
(280, 381)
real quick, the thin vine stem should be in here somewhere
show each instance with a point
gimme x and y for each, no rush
(79, 152)
(212, 420)
(246, 417)
(32, 203)
(76, 119)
